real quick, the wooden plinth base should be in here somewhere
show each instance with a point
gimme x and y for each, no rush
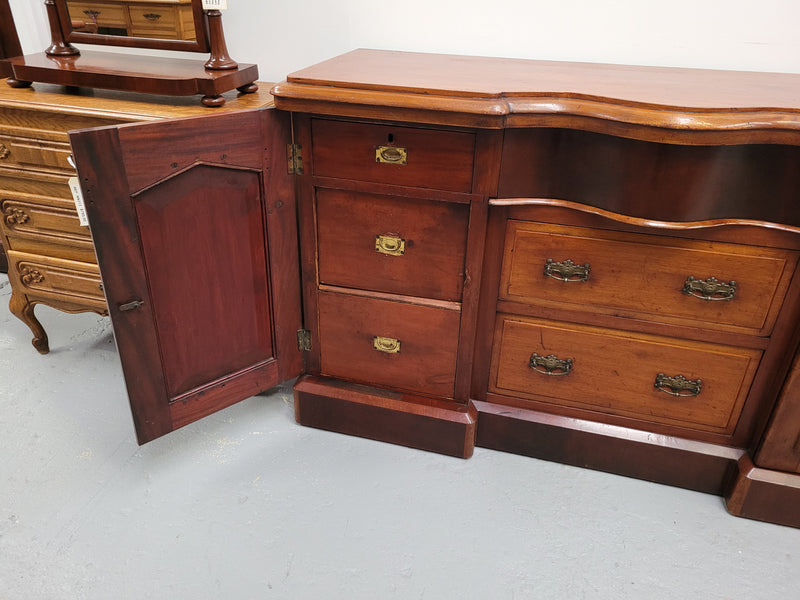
(434, 425)
(765, 495)
(663, 459)
(133, 73)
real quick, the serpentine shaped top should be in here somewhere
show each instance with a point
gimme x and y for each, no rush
(658, 103)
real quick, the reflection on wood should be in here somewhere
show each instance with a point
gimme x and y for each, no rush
(158, 19)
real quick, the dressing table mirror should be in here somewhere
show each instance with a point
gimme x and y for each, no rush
(155, 24)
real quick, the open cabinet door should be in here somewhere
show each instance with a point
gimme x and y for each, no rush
(194, 225)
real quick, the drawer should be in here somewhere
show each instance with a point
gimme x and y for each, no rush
(31, 153)
(651, 378)
(646, 276)
(161, 21)
(44, 125)
(44, 186)
(384, 342)
(389, 244)
(154, 17)
(105, 15)
(60, 279)
(55, 221)
(414, 157)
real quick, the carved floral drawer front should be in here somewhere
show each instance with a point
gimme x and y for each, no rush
(382, 341)
(390, 244)
(397, 155)
(651, 378)
(56, 221)
(31, 153)
(64, 280)
(716, 285)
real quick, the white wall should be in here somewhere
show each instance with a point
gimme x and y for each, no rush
(284, 36)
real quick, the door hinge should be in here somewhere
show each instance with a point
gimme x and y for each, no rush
(303, 340)
(294, 157)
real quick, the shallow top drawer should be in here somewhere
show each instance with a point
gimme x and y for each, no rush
(415, 157)
(45, 125)
(711, 284)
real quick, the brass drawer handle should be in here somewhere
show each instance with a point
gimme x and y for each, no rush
(386, 345)
(678, 386)
(567, 270)
(152, 16)
(550, 365)
(92, 14)
(391, 155)
(4, 152)
(390, 244)
(709, 289)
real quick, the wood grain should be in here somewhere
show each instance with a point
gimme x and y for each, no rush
(644, 276)
(434, 235)
(659, 103)
(388, 416)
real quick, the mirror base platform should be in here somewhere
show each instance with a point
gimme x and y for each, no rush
(133, 73)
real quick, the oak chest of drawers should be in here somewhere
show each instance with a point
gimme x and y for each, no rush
(50, 254)
(592, 264)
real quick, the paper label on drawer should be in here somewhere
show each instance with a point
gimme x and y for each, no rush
(215, 4)
(77, 196)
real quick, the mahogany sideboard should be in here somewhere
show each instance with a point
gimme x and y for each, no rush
(592, 264)
(50, 254)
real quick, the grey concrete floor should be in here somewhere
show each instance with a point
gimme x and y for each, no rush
(247, 504)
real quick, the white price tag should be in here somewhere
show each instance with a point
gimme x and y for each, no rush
(215, 4)
(77, 196)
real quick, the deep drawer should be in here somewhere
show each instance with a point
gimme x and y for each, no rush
(63, 280)
(659, 278)
(388, 343)
(654, 379)
(426, 158)
(388, 244)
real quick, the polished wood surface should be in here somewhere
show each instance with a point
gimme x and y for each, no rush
(764, 494)
(426, 336)
(653, 180)
(658, 102)
(351, 253)
(193, 299)
(348, 151)
(617, 372)
(646, 276)
(9, 40)
(386, 415)
(133, 73)
(636, 453)
(658, 177)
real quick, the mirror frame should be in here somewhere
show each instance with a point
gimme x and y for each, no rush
(200, 44)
